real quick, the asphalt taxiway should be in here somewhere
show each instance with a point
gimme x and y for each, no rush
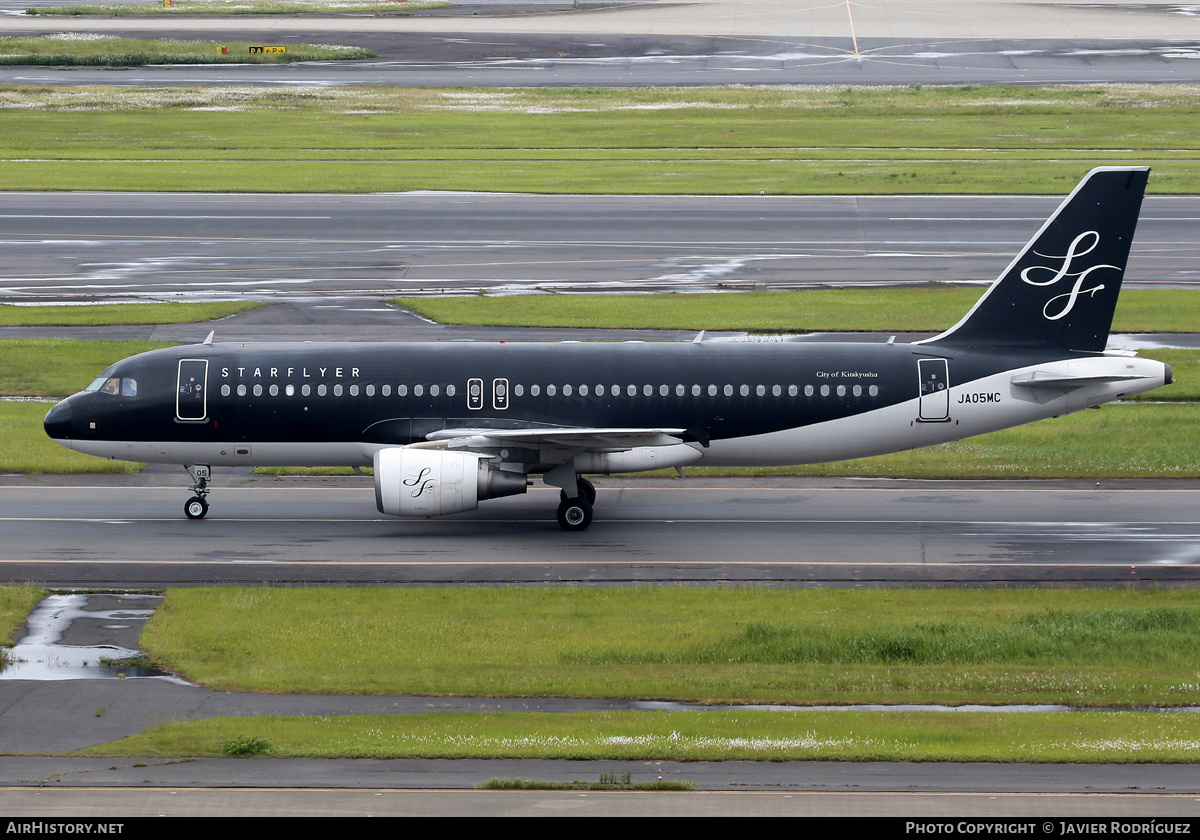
(130, 532)
(169, 246)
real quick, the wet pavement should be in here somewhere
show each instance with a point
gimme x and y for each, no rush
(78, 636)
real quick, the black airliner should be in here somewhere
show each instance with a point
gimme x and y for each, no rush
(448, 425)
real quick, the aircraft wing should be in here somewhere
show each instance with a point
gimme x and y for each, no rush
(593, 440)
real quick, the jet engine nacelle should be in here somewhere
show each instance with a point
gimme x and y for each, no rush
(434, 482)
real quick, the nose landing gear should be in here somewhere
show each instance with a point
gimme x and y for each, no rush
(197, 506)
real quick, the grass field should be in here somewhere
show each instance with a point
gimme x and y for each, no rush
(1110, 648)
(690, 736)
(15, 604)
(103, 314)
(1082, 647)
(56, 367)
(780, 140)
(816, 310)
(82, 50)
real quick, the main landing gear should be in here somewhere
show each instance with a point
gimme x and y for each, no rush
(197, 506)
(575, 514)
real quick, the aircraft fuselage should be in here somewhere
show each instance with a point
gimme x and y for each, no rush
(746, 403)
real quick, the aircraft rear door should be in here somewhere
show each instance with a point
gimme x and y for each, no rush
(935, 390)
(191, 393)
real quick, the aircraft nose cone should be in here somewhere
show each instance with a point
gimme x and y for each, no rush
(58, 421)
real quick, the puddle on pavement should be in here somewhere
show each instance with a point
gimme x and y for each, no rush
(83, 637)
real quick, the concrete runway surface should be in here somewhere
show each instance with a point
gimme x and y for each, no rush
(665, 43)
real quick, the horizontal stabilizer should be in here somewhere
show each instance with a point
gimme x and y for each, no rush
(1044, 379)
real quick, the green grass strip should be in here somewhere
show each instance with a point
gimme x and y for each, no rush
(736, 141)
(105, 51)
(1082, 647)
(1092, 737)
(15, 604)
(114, 314)
(56, 367)
(1185, 368)
(817, 310)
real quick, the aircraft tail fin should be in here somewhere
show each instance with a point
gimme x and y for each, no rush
(1062, 288)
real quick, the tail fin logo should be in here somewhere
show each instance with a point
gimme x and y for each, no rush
(1081, 246)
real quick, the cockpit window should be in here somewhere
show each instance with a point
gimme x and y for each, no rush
(115, 385)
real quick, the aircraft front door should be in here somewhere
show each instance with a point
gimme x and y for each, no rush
(191, 392)
(934, 375)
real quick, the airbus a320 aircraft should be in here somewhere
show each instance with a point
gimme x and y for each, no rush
(448, 425)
